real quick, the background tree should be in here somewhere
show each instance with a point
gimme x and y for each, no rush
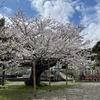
(2, 22)
(96, 49)
(5, 50)
(7, 55)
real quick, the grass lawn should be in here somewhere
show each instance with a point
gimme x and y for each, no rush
(18, 91)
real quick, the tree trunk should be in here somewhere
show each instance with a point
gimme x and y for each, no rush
(3, 75)
(66, 73)
(49, 74)
(34, 77)
(40, 68)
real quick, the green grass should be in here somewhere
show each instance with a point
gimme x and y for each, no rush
(56, 85)
(18, 91)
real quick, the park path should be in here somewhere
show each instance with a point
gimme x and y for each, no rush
(84, 91)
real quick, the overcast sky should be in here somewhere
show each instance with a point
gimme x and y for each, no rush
(84, 12)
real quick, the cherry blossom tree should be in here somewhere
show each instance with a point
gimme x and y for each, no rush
(42, 38)
(35, 40)
(81, 59)
(6, 53)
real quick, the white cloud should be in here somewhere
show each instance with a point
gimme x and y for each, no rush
(91, 20)
(79, 6)
(61, 10)
(8, 10)
(93, 31)
(97, 8)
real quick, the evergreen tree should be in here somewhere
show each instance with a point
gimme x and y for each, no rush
(96, 49)
(2, 23)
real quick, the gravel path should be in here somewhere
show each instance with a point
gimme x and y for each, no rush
(85, 91)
